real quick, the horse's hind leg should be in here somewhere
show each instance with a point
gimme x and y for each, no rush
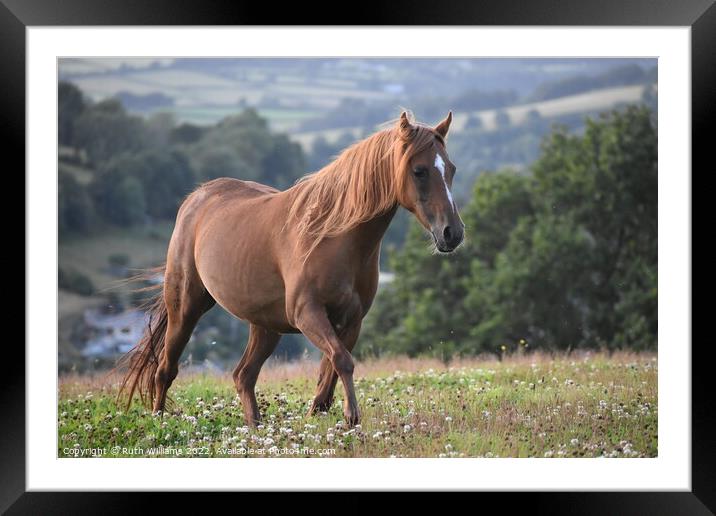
(261, 344)
(327, 376)
(186, 301)
(312, 320)
(327, 379)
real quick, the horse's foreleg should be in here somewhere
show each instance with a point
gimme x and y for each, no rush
(327, 376)
(314, 324)
(260, 346)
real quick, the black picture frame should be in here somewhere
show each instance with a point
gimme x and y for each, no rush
(700, 15)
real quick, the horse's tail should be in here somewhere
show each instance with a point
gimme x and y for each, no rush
(143, 359)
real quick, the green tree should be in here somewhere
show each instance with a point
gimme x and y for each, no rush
(283, 163)
(186, 133)
(105, 130)
(70, 105)
(159, 128)
(222, 162)
(117, 192)
(161, 177)
(167, 177)
(243, 146)
(606, 181)
(126, 204)
(75, 211)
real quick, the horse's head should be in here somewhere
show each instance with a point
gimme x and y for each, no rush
(428, 179)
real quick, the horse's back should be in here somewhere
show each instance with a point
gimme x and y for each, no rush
(215, 196)
(228, 186)
(211, 200)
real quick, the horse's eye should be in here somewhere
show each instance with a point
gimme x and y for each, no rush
(420, 171)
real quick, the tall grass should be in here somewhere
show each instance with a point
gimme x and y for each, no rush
(588, 405)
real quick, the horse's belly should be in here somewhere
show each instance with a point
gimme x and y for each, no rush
(272, 317)
(252, 300)
(248, 287)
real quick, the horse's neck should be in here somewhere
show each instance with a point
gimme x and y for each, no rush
(370, 234)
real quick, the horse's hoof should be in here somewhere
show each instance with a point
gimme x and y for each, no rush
(352, 418)
(317, 408)
(252, 421)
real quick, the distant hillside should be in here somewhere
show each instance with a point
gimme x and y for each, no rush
(589, 102)
(289, 92)
(628, 74)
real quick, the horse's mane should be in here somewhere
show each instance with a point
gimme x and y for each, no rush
(366, 180)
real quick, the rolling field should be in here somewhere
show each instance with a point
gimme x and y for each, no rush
(588, 405)
(279, 119)
(206, 98)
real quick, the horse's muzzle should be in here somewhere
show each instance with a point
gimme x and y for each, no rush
(449, 238)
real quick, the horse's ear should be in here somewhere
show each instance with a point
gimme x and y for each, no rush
(443, 127)
(405, 127)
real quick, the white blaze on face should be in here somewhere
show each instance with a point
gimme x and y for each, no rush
(440, 165)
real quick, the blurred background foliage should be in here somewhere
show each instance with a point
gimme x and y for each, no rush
(557, 183)
(561, 257)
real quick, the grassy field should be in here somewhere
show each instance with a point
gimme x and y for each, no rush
(588, 405)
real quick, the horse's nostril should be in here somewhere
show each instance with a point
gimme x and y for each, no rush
(447, 233)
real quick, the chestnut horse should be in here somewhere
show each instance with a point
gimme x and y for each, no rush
(300, 260)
